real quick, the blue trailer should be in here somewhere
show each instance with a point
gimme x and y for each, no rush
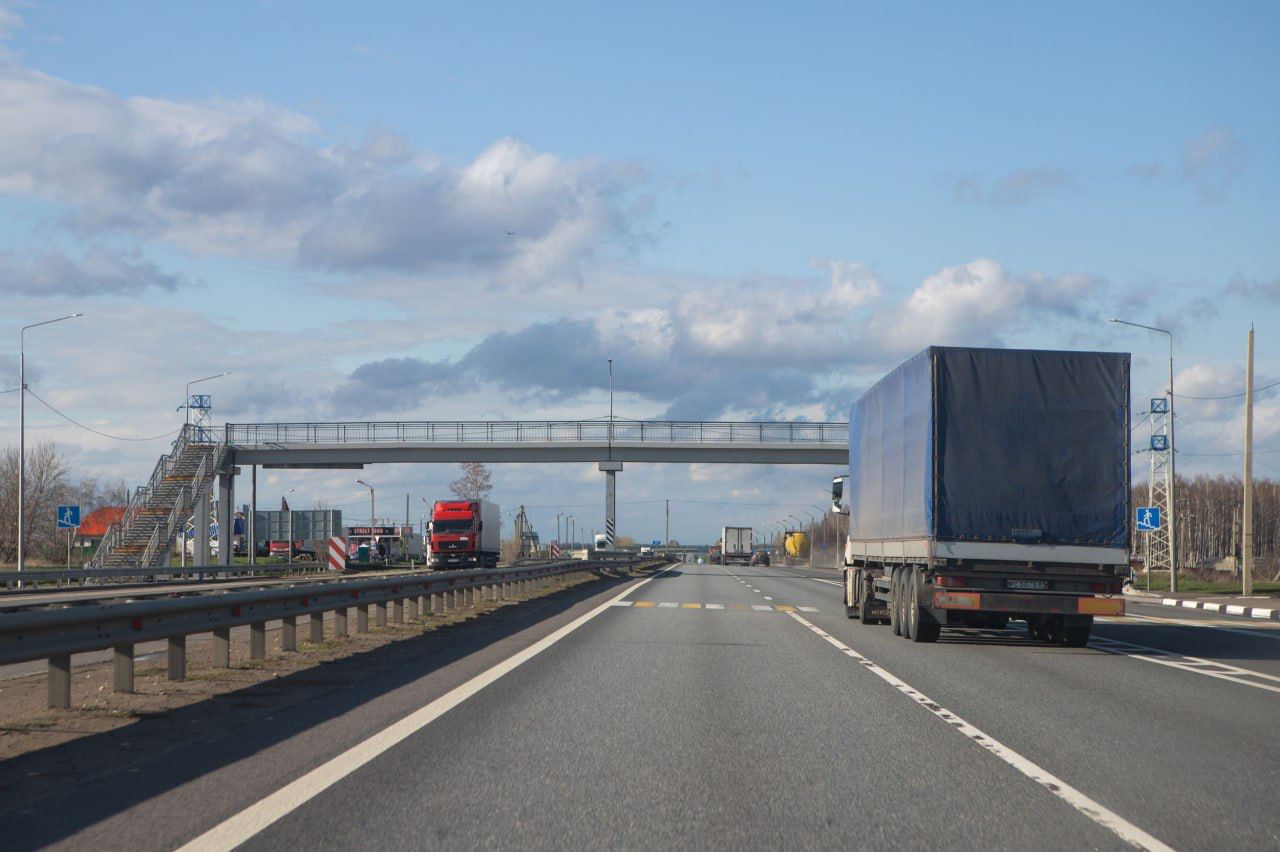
(986, 485)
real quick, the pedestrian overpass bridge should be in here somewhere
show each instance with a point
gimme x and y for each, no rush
(320, 445)
(181, 486)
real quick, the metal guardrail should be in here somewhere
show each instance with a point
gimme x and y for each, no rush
(536, 431)
(57, 633)
(34, 580)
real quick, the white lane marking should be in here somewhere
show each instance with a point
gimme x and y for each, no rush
(237, 829)
(828, 582)
(761, 608)
(713, 606)
(1206, 625)
(1095, 811)
(668, 605)
(622, 603)
(807, 608)
(766, 597)
(1199, 665)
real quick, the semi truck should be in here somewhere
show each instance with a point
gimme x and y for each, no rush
(735, 546)
(464, 532)
(989, 485)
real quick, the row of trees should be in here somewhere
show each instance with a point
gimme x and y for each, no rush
(49, 484)
(1209, 515)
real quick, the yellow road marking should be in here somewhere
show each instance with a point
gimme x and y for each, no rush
(785, 608)
(639, 604)
(691, 606)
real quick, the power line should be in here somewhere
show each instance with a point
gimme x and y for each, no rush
(11, 390)
(95, 431)
(1230, 395)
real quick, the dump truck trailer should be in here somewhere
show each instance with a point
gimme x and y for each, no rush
(989, 485)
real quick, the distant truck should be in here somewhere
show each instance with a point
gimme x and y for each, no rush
(735, 546)
(986, 485)
(464, 533)
(602, 541)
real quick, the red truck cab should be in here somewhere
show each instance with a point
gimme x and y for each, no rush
(464, 533)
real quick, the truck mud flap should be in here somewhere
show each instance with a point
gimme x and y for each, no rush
(1013, 604)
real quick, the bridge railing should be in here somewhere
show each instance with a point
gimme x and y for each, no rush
(537, 431)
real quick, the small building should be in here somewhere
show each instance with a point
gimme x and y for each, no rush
(94, 526)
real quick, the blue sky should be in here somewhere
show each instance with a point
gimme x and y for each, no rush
(785, 199)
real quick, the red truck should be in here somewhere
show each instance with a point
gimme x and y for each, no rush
(465, 532)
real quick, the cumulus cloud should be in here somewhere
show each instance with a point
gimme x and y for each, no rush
(251, 178)
(1019, 187)
(1212, 161)
(100, 272)
(980, 303)
(1249, 288)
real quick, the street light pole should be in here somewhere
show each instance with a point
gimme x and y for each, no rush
(22, 434)
(1173, 463)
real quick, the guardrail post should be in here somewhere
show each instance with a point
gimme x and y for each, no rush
(317, 628)
(122, 667)
(340, 623)
(221, 648)
(177, 647)
(411, 608)
(397, 611)
(289, 633)
(59, 681)
(362, 618)
(258, 640)
(380, 614)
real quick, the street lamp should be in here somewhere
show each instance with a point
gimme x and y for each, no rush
(570, 529)
(22, 434)
(186, 400)
(1173, 465)
(255, 544)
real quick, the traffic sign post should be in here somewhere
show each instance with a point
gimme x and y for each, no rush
(68, 519)
(1148, 518)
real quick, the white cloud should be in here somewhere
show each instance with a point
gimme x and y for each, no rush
(1018, 187)
(247, 178)
(1212, 161)
(102, 271)
(980, 303)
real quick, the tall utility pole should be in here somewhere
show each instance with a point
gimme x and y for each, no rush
(1246, 523)
(667, 539)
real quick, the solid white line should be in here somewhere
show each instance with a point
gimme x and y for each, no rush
(1095, 811)
(807, 608)
(1182, 622)
(237, 829)
(1160, 657)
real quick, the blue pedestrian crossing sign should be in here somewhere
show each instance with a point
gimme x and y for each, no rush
(657, 542)
(1148, 518)
(68, 517)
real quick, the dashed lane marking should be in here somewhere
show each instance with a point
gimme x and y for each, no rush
(715, 606)
(1095, 811)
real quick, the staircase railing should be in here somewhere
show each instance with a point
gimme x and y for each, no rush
(115, 534)
(149, 553)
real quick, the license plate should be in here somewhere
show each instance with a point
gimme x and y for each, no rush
(1028, 585)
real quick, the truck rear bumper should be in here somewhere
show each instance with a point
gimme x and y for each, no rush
(1014, 603)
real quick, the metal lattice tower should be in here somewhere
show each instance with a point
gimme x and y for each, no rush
(200, 405)
(1159, 551)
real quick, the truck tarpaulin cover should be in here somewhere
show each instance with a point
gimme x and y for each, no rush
(1001, 445)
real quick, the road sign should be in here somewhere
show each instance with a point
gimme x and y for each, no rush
(68, 517)
(1148, 518)
(657, 542)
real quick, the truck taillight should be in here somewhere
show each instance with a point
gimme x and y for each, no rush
(1100, 588)
(948, 581)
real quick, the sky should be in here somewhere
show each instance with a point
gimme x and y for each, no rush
(387, 211)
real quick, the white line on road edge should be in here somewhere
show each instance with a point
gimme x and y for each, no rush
(1199, 665)
(237, 829)
(1095, 811)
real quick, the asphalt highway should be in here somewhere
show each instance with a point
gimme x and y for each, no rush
(735, 707)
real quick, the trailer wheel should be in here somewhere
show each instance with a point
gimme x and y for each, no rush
(867, 596)
(924, 627)
(895, 614)
(850, 611)
(1075, 632)
(910, 610)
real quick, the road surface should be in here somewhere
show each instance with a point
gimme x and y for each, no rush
(735, 707)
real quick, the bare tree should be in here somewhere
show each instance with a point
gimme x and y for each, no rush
(475, 483)
(47, 485)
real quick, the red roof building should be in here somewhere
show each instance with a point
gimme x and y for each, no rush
(95, 524)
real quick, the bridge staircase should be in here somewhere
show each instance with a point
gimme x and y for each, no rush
(157, 512)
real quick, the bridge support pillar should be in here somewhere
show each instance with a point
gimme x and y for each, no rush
(610, 469)
(200, 530)
(226, 515)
